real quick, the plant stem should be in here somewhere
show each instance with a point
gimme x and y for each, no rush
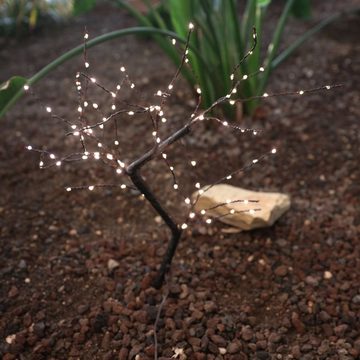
(133, 171)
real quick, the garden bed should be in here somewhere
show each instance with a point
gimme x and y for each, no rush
(289, 291)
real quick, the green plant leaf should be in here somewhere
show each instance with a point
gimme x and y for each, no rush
(301, 9)
(263, 3)
(10, 90)
(82, 6)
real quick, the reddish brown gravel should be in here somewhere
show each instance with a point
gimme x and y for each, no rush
(76, 267)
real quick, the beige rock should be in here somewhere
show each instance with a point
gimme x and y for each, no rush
(245, 215)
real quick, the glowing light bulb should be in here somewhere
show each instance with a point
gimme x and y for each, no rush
(58, 163)
(191, 215)
(208, 221)
(29, 147)
(87, 64)
(193, 163)
(91, 187)
(99, 145)
(26, 87)
(228, 177)
(163, 120)
(52, 156)
(113, 94)
(255, 161)
(95, 106)
(187, 201)
(109, 156)
(68, 189)
(118, 171)
(273, 151)
(123, 186)
(116, 142)
(201, 117)
(301, 92)
(198, 90)
(113, 107)
(191, 26)
(171, 86)
(173, 41)
(132, 85)
(79, 109)
(203, 212)
(93, 80)
(164, 156)
(245, 77)
(118, 87)
(122, 69)
(265, 95)
(197, 185)
(328, 87)
(232, 77)
(97, 155)
(176, 186)
(232, 102)
(76, 133)
(262, 69)
(159, 93)
(232, 211)
(48, 109)
(86, 36)
(131, 113)
(252, 211)
(225, 123)
(184, 226)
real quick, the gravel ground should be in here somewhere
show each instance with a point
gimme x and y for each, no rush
(76, 268)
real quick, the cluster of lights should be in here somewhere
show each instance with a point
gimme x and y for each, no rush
(112, 156)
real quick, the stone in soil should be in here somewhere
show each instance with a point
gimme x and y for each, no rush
(271, 205)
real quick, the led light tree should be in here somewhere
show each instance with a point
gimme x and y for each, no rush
(93, 148)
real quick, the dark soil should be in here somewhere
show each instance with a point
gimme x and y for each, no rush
(76, 267)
